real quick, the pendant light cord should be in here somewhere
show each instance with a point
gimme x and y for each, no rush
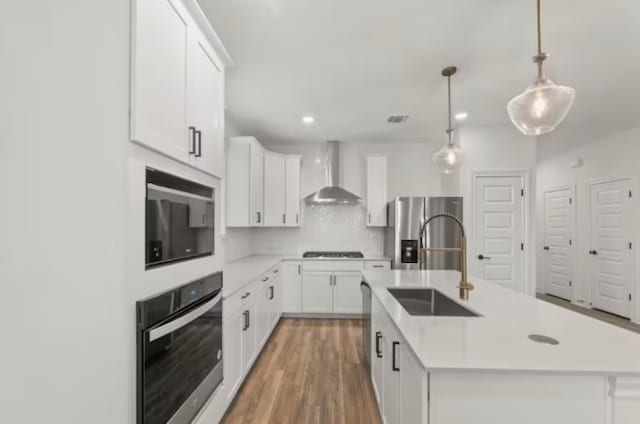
(540, 57)
(539, 32)
(449, 129)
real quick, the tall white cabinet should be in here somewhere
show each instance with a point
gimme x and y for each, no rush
(292, 191)
(177, 84)
(263, 188)
(376, 191)
(245, 183)
(274, 190)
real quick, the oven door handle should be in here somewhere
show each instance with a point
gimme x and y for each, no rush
(185, 319)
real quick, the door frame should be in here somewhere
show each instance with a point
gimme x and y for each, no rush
(573, 213)
(634, 314)
(528, 237)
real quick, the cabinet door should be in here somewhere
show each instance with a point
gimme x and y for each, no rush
(274, 184)
(391, 378)
(292, 286)
(233, 357)
(292, 191)
(317, 292)
(376, 191)
(263, 313)
(256, 185)
(205, 106)
(411, 374)
(158, 99)
(249, 348)
(377, 358)
(276, 301)
(347, 297)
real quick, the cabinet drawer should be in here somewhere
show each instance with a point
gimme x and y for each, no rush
(332, 265)
(236, 302)
(384, 265)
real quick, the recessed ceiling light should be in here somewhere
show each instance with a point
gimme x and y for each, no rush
(308, 119)
(461, 116)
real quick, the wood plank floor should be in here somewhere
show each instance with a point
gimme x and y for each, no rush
(311, 371)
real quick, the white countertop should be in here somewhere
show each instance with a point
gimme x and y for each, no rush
(498, 340)
(238, 274)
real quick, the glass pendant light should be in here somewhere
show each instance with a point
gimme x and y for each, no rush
(544, 104)
(449, 157)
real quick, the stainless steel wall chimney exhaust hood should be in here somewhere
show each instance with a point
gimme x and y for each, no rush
(332, 193)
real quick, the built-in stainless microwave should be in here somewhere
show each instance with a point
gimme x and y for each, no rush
(179, 219)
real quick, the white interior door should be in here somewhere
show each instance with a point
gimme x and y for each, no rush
(611, 237)
(499, 234)
(558, 235)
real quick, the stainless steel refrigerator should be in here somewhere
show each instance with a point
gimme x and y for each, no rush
(405, 218)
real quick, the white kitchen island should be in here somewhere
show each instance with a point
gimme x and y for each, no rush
(485, 370)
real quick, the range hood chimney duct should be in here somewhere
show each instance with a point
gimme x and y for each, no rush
(332, 193)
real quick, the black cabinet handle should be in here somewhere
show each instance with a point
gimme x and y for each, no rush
(199, 137)
(284, 218)
(546, 248)
(393, 357)
(271, 295)
(244, 296)
(593, 252)
(192, 132)
(378, 337)
(246, 320)
(482, 257)
(259, 217)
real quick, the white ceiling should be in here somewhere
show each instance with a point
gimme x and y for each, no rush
(352, 63)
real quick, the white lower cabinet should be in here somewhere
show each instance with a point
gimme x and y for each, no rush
(332, 287)
(233, 357)
(317, 292)
(249, 318)
(397, 376)
(347, 297)
(249, 335)
(292, 286)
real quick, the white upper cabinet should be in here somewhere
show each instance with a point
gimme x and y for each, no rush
(245, 182)
(205, 107)
(274, 190)
(158, 103)
(177, 85)
(376, 191)
(262, 188)
(292, 191)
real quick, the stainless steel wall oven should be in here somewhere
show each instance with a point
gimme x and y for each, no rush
(179, 217)
(179, 351)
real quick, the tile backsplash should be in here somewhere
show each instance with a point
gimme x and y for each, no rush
(323, 227)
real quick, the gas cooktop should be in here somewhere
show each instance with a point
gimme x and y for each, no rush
(337, 255)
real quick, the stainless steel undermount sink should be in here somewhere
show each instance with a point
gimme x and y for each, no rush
(429, 302)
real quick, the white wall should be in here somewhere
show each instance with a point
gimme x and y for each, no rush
(497, 149)
(64, 106)
(410, 173)
(613, 157)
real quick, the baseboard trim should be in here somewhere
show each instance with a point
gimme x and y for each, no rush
(320, 316)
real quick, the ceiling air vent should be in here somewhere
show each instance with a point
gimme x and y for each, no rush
(397, 119)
